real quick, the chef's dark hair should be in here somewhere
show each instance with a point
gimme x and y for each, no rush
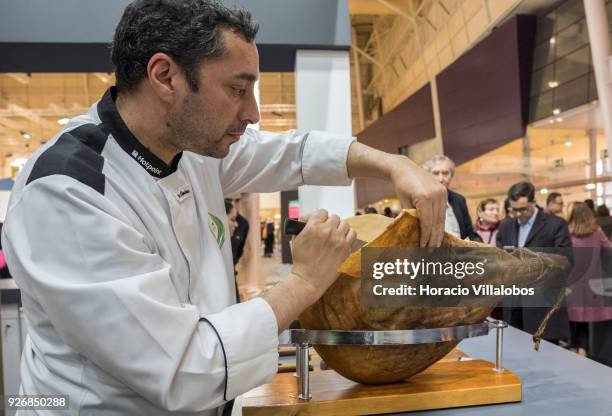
(522, 189)
(187, 30)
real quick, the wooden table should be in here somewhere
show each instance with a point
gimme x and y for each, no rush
(448, 383)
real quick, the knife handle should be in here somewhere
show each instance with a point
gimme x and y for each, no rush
(293, 227)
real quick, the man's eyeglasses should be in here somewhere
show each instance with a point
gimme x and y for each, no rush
(521, 209)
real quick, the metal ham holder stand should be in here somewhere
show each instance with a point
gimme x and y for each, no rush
(303, 339)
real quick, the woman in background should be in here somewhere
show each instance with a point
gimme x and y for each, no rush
(488, 220)
(602, 216)
(585, 307)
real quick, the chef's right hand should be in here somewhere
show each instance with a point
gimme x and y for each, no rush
(319, 250)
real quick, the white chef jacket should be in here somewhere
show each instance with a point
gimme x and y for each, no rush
(126, 272)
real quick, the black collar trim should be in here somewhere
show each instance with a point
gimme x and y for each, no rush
(107, 111)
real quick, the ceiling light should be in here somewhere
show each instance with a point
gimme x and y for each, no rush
(544, 191)
(568, 143)
(556, 111)
(19, 162)
(63, 121)
(553, 40)
(551, 121)
(559, 119)
(590, 186)
(386, 201)
(553, 84)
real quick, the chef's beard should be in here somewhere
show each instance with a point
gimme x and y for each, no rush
(195, 128)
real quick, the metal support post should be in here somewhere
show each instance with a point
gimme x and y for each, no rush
(499, 341)
(303, 362)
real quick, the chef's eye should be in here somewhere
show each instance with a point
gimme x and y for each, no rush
(239, 92)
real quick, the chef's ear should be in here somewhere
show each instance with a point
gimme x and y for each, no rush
(165, 77)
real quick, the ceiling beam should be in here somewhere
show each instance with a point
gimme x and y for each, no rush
(10, 124)
(281, 108)
(375, 8)
(20, 78)
(396, 8)
(278, 122)
(26, 113)
(368, 57)
(397, 44)
(357, 81)
(444, 8)
(52, 111)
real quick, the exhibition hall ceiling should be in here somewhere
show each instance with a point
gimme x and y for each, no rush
(33, 106)
(397, 47)
(401, 45)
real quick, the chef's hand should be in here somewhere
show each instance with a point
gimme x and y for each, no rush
(414, 187)
(417, 188)
(319, 250)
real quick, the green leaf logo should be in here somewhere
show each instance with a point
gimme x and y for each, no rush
(217, 229)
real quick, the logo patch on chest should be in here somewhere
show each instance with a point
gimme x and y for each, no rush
(217, 229)
(183, 193)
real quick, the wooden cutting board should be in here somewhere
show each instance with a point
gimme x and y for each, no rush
(445, 384)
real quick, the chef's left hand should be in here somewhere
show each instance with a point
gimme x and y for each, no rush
(414, 187)
(418, 189)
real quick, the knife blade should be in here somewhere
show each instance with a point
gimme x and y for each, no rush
(294, 227)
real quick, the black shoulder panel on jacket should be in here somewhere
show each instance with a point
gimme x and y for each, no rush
(76, 153)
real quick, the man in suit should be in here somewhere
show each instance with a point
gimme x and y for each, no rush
(554, 204)
(240, 234)
(458, 221)
(532, 227)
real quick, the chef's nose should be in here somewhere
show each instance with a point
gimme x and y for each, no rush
(250, 111)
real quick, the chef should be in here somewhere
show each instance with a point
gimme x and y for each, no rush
(116, 230)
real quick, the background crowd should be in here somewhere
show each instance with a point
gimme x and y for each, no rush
(584, 324)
